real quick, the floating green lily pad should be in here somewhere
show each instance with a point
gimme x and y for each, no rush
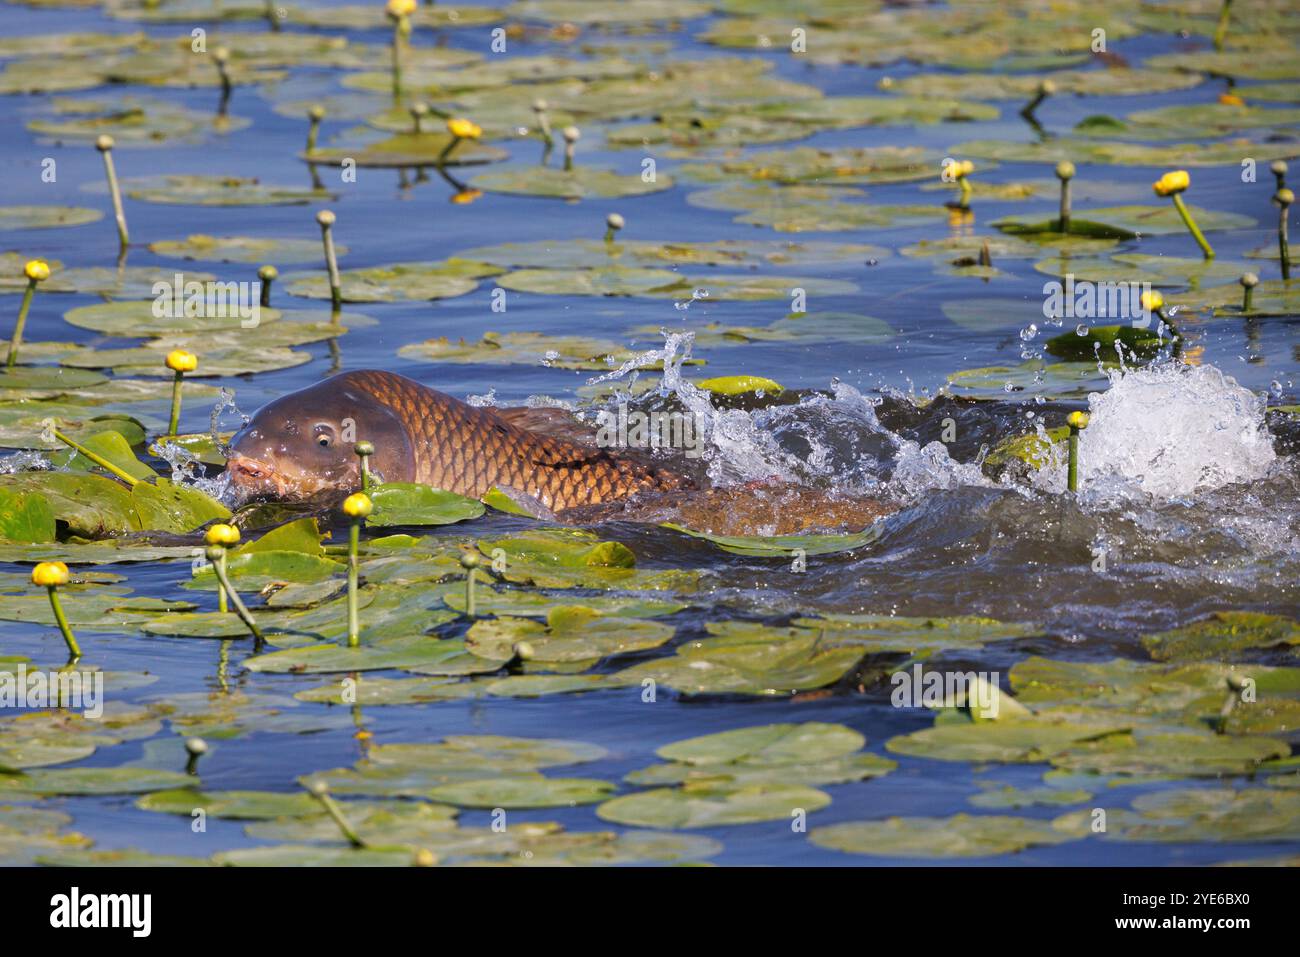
(522, 348)
(962, 835)
(582, 182)
(1198, 815)
(232, 805)
(241, 249)
(659, 283)
(529, 791)
(407, 503)
(1222, 635)
(395, 282)
(595, 254)
(46, 217)
(795, 209)
(572, 634)
(90, 781)
(706, 805)
(194, 190)
(409, 149)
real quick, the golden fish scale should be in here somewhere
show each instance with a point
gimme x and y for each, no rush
(468, 450)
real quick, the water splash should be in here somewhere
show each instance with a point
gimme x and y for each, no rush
(225, 402)
(831, 438)
(24, 462)
(1170, 431)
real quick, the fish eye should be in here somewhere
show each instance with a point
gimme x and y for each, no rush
(324, 435)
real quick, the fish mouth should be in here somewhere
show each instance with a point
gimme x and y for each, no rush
(256, 478)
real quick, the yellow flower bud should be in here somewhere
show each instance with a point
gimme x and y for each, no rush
(464, 129)
(48, 574)
(957, 169)
(358, 505)
(178, 360)
(220, 534)
(1077, 420)
(1151, 301)
(400, 8)
(37, 270)
(1171, 183)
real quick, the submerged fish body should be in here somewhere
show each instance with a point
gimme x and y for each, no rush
(303, 444)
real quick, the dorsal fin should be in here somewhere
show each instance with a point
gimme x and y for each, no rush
(553, 422)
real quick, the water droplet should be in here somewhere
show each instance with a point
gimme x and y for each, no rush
(1081, 329)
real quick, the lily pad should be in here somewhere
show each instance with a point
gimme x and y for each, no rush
(962, 835)
(1223, 635)
(407, 150)
(407, 503)
(802, 208)
(195, 190)
(582, 182)
(395, 282)
(630, 281)
(530, 791)
(90, 781)
(572, 634)
(705, 805)
(522, 348)
(241, 249)
(46, 217)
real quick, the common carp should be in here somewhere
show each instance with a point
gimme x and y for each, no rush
(302, 445)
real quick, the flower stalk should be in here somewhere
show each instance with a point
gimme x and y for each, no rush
(105, 146)
(180, 362)
(1077, 421)
(356, 506)
(36, 271)
(50, 575)
(216, 555)
(326, 220)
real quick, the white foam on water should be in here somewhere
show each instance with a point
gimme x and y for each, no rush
(1170, 431)
(835, 436)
